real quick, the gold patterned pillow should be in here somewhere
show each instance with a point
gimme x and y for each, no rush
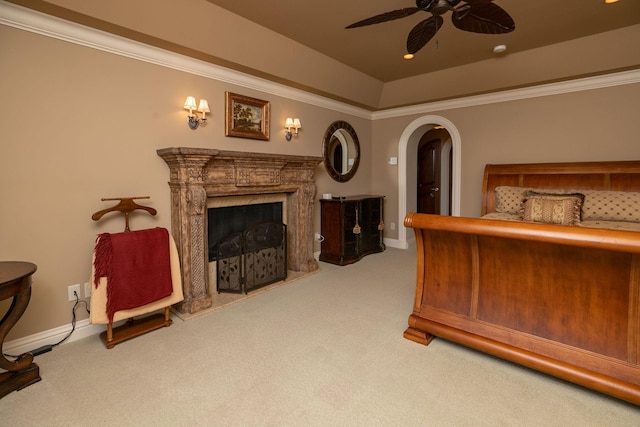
(562, 209)
(611, 206)
(509, 199)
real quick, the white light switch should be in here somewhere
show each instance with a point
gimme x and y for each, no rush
(393, 160)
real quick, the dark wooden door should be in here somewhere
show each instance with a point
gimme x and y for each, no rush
(429, 185)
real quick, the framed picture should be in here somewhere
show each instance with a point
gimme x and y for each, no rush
(247, 117)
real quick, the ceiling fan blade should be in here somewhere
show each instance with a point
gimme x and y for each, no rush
(483, 16)
(384, 17)
(423, 32)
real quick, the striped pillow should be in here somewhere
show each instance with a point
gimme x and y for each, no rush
(562, 209)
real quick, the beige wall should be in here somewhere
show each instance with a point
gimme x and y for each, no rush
(592, 125)
(80, 124)
(214, 34)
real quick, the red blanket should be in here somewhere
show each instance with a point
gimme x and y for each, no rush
(137, 267)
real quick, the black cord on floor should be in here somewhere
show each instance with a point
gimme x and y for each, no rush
(73, 318)
(48, 347)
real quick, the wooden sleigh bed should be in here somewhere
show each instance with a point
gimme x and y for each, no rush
(564, 300)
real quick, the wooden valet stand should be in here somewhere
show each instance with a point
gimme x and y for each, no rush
(132, 327)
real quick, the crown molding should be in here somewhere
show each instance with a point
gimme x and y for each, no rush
(49, 26)
(550, 89)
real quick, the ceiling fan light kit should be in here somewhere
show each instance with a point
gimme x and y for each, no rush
(501, 48)
(476, 16)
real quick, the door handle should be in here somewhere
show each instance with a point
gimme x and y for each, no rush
(434, 189)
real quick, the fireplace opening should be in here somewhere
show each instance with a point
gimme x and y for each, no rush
(230, 220)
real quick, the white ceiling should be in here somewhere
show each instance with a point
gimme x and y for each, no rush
(377, 50)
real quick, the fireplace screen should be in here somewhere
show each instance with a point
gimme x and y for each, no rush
(254, 258)
(223, 221)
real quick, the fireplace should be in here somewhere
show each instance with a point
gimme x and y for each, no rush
(201, 178)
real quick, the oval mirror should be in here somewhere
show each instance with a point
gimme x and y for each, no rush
(341, 150)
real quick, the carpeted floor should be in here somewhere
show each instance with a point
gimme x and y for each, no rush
(324, 350)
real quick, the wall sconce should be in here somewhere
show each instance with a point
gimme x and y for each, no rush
(192, 119)
(291, 124)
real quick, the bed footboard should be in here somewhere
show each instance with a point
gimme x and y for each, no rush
(562, 300)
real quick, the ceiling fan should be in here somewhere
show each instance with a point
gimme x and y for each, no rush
(477, 16)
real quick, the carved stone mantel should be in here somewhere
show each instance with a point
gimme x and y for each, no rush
(199, 173)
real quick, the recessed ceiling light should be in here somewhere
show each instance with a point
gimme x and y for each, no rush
(408, 56)
(500, 48)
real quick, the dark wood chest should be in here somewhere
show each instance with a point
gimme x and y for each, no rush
(352, 227)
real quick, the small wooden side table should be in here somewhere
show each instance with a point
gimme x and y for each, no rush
(15, 282)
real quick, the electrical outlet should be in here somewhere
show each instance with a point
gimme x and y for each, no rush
(71, 289)
(392, 226)
(87, 290)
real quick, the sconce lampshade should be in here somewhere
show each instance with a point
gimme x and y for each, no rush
(289, 124)
(204, 106)
(192, 119)
(190, 103)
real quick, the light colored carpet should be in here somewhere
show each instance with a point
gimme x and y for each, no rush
(325, 350)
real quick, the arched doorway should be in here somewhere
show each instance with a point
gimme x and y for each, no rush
(407, 167)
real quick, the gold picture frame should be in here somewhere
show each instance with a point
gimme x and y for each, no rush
(247, 117)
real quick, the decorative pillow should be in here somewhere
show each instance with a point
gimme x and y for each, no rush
(611, 206)
(509, 199)
(558, 193)
(563, 209)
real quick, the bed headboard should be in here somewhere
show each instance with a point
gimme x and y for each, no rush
(617, 176)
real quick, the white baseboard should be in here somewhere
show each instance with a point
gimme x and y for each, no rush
(52, 336)
(83, 329)
(392, 243)
(395, 243)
